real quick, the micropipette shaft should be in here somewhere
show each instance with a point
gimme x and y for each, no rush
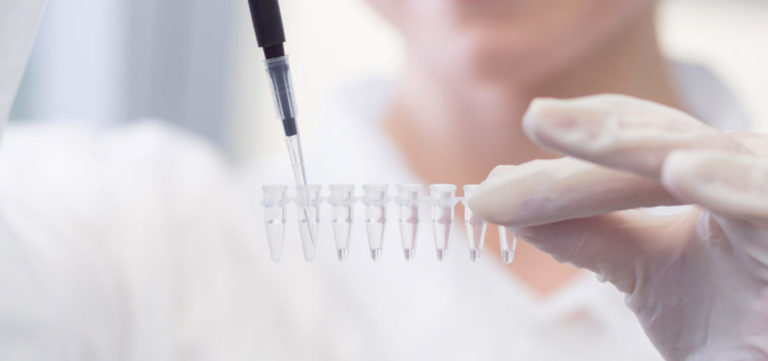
(268, 25)
(282, 89)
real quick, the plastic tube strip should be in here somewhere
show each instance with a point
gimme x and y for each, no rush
(410, 200)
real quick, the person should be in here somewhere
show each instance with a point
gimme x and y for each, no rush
(142, 243)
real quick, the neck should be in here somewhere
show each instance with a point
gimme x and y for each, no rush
(457, 134)
(631, 64)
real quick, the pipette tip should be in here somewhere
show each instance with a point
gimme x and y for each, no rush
(442, 254)
(410, 254)
(376, 254)
(343, 254)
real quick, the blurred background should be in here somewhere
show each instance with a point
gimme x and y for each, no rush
(195, 63)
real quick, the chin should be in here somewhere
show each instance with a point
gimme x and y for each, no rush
(485, 63)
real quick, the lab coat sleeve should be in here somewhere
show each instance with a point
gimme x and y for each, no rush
(131, 243)
(57, 301)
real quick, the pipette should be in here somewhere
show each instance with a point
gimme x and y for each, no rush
(268, 25)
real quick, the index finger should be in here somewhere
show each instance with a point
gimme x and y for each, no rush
(620, 132)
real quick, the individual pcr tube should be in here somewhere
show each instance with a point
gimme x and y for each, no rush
(375, 201)
(308, 201)
(342, 199)
(443, 198)
(274, 202)
(508, 241)
(474, 226)
(408, 198)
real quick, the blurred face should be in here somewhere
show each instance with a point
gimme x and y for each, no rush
(526, 41)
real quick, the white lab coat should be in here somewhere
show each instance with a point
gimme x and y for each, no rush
(142, 243)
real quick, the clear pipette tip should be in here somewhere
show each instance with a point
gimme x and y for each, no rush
(293, 143)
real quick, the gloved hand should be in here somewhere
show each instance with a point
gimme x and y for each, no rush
(697, 279)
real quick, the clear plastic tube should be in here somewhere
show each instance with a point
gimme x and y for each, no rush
(408, 199)
(342, 199)
(474, 225)
(274, 218)
(308, 199)
(375, 200)
(443, 198)
(508, 242)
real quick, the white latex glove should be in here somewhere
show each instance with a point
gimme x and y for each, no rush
(697, 279)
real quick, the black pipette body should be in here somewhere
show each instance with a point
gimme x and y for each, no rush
(268, 25)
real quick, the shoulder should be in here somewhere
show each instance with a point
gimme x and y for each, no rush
(62, 173)
(63, 156)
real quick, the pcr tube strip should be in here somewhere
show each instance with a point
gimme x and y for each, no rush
(409, 199)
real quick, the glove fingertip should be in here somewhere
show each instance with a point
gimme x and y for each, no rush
(489, 203)
(538, 114)
(730, 184)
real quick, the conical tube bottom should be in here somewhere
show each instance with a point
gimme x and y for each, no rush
(341, 232)
(474, 254)
(342, 199)
(276, 252)
(508, 243)
(409, 254)
(309, 254)
(376, 254)
(275, 231)
(507, 256)
(442, 197)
